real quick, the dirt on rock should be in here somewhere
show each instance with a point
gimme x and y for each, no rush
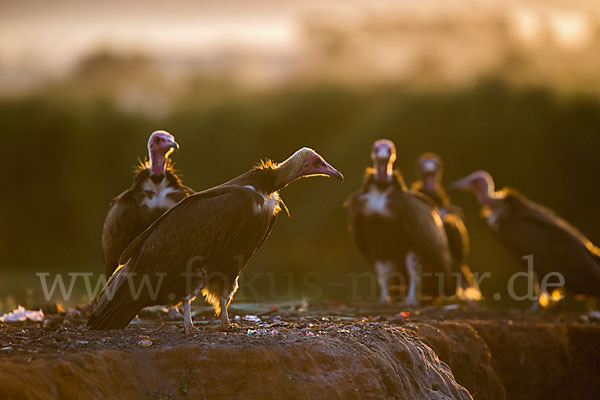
(325, 352)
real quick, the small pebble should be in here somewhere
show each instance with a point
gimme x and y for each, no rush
(145, 343)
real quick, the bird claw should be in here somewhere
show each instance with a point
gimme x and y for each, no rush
(410, 303)
(385, 301)
(228, 325)
(190, 330)
(534, 309)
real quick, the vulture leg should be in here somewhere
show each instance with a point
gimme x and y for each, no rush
(225, 323)
(226, 298)
(384, 270)
(188, 326)
(412, 265)
(537, 291)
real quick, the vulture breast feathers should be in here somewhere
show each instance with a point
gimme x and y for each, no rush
(405, 221)
(136, 209)
(374, 220)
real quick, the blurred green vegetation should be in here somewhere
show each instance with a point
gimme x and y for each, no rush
(66, 155)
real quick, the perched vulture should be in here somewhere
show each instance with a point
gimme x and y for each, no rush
(202, 244)
(430, 169)
(527, 228)
(156, 188)
(395, 227)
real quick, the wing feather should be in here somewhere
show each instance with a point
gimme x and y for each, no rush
(123, 223)
(216, 231)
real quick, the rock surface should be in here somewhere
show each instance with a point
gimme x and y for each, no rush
(331, 354)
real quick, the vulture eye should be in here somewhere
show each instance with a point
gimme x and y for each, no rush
(316, 162)
(158, 140)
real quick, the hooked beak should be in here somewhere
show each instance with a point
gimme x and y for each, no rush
(174, 145)
(332, 172)
(462, 184)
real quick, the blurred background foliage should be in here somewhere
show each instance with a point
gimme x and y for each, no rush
(70, 143)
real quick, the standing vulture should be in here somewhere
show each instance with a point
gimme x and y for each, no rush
(395, 227)
(156, 188)
(430, 170)
(202, 244)
(527, 228)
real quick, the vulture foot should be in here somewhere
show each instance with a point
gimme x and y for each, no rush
(229, 326)
(190, 330)
(534, 308)
(410, 302)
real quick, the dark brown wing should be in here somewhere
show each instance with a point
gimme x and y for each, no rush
(356, 225)
(188, 191)
(458, 239)
(458, 243)
(122, 224)
(216, 231)
(424, 231)
(530, 229)
(126, 218)
(377, 237)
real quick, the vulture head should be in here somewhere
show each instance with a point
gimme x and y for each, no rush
(302, 164)
(430, 169)
(160, 146)
(383, 156)
(481, 184)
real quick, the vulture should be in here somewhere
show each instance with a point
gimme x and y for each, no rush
(156, 188)
(396, 228)
(526, 228)
(430, 169)
(202, 244)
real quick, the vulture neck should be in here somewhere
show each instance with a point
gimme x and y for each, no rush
(489, 197)
(287, 172)
(158, 163)
(384, 171)
(270, 177)
(431, 183)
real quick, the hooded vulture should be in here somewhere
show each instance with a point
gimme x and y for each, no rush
(395, 227)
(202, 244)
(156, 188)
(430, 169)
(527, 228)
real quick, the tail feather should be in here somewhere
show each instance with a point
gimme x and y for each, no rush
(115, 307)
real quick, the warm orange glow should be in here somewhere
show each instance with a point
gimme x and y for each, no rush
(557, 295)
(469, 294)
(544, 300)
(473, 294)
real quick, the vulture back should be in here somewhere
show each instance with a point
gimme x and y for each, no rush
(527, 228)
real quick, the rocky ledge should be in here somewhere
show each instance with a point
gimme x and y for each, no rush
(332, 352)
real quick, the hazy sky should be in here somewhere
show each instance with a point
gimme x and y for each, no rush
(382, 36)
(57, 31)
